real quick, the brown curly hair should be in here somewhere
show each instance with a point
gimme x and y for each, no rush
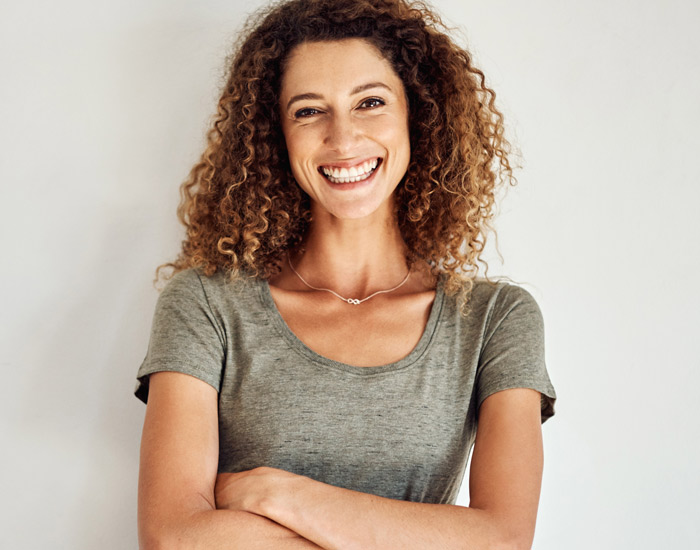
(241, 205)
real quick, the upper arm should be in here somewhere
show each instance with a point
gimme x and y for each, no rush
(179, 451)
(506, 469)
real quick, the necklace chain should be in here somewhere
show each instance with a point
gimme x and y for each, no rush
(353, 301)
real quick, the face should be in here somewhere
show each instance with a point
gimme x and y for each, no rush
(345, 123)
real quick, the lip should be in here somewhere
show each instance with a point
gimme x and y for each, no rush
(350, 163)
(353, 184)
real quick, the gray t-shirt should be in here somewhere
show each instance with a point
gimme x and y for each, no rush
(401, 431)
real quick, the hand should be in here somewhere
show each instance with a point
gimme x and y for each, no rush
(252, 490)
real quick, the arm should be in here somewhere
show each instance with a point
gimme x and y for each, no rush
(505, 482)
(179, 457)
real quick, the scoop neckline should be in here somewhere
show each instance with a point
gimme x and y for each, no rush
(300, 347)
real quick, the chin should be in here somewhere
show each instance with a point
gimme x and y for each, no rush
(358, 210)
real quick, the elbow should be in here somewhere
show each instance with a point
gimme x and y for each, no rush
(154, 542)
(152, 545)
(512, 541)
(160, 539)
(519, 545)
(506, 536)
(513, 545)
(502, 543)
(161, 543)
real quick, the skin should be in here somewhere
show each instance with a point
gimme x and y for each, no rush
(505, 479)
(354, 247)
(342, 104)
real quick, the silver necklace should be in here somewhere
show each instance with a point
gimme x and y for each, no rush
(353, 301)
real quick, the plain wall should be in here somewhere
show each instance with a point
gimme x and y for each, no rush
(103, 110)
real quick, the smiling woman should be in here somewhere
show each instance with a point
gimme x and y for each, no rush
(323, 349)
(347, 136)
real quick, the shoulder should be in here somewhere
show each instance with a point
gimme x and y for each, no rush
(507, 306)
(496, 311)
(500, 294)
(194, 282)
(495, 299)
(512, 353)
(187, 280)
(230, 303)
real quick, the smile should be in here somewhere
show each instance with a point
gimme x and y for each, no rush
(352, 174)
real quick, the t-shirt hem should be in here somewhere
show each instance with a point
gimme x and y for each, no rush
(141, 390)
(547, 395)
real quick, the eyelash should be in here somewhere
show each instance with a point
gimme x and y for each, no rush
(379, 102)
(307, 112)
(300, 112)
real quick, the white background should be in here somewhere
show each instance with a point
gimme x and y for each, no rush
(103, 109)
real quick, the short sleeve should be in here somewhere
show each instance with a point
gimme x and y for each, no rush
(512, 355)
(186, 337)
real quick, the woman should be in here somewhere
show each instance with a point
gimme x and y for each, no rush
(318, 361)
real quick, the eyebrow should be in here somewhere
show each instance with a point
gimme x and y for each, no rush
(355, 90)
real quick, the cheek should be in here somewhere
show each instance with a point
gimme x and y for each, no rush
(391, 130)
(298, 153)
(300, 146)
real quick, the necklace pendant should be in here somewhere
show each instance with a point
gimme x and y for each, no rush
(353, 301)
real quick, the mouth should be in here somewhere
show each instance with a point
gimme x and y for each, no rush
(350, 175)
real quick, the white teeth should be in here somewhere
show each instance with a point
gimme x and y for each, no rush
(352, 174)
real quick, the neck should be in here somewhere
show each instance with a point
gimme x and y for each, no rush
(353, 257)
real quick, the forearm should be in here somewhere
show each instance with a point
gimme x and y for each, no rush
(337, 518)
(504, 486)
(224, 529)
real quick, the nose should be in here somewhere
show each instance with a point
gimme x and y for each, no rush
(342, 133)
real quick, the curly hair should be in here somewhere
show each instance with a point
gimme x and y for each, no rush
(241, 206)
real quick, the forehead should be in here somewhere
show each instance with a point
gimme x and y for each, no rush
(339, 63)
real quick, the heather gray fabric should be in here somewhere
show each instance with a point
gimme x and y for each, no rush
(402, 431)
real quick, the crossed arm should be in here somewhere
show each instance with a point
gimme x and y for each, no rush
(183, 503)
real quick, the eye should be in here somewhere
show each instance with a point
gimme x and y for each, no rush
(306, 112)
(371, 103)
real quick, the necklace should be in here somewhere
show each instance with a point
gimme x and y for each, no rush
(353, 301)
